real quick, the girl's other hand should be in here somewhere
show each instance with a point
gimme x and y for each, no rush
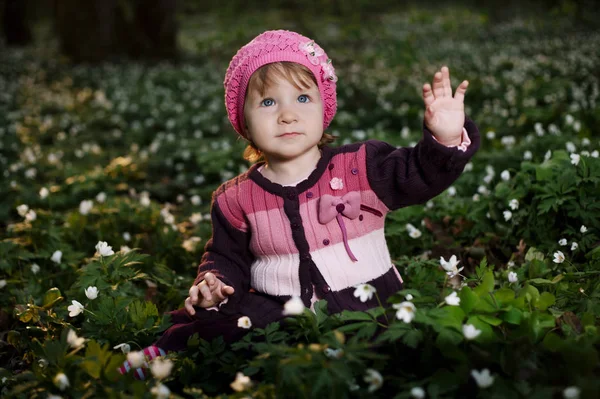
(209, 292)
(444, 114)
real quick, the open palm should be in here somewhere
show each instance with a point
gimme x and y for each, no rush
(444, 114)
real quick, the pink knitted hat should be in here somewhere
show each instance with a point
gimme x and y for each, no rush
(274, 46)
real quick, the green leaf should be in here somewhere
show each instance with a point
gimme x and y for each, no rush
(545, 300)
(412, 338)
(51, 298)
(468, 299)
(494, 321)
(512, 316)
(539, 281)
(532, 254)
(348, 315)
(504, 296)
(553, 342)
(486, 286)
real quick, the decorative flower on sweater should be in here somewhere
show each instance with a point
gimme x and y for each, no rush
(336, 183)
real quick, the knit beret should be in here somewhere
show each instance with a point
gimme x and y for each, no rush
(275, 46)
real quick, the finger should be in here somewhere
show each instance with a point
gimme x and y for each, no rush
(227, 290)
(205, 291)
(209, 278)
(461, 90)
(217, 293)
(438, 85)
(428, 97)
(189, 307)
(194, 294)
(446, 81)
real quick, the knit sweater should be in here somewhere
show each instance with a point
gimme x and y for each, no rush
(322, 237)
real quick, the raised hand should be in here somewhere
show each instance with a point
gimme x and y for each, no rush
(444, 114)
(212, 292)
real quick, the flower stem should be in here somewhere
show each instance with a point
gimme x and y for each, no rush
(384, 314)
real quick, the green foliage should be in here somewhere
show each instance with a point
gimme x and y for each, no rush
(147, 144)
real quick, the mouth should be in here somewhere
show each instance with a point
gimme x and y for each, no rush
(290, 134)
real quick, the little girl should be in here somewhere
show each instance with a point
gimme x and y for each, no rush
(308, 220)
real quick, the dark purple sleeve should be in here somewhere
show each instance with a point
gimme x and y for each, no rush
(227, 255)
(413, 175)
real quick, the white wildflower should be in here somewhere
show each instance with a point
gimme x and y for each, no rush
(2, 283)
(161, 368)
(451, 191)
(293, 307)
(417, 393)
(527, 155)
(450, 266)
(30, 216)
(562, 242)
(507, 215)
(570, 146)
(416, 233)
(244, 322)
(56, 256)
(490, 135)
(575, 158)
(408, 297)
(74, 340)
(574, 246)
(505, 175)
(405, 311)
(101, 197)
(161, 391)
(559, 257)
(91, 292)
(85, 206)
(583, 229)
(470, 332)
(547, 155)
(104, 249)
(513, 204)
(512, 277)
(241, 382)
(364, 292)
(125, 348)
(374, 379)
(452, 299)
(35, 268)
(127, 236)
(75, 308)
(61, 381)
(136, 359)
(22, 210)
(44, 192)
(196, 200)
(483, 378)
(571, 392)
(333, 353)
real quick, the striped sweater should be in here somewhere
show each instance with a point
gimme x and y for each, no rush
(325, 235)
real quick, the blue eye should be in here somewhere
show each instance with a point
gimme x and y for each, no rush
(267, 102)
(303, 98)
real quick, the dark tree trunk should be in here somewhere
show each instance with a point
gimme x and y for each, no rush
(96, 30)
(14, 23)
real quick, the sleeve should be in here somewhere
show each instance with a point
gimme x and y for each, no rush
(228, 256)
(407, 176)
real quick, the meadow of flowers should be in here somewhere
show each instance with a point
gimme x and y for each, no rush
(107, 175)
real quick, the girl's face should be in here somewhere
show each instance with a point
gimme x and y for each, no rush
(286, 122)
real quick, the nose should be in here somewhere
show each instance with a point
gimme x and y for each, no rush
(287, 116)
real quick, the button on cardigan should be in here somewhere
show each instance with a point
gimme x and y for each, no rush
(325, 235)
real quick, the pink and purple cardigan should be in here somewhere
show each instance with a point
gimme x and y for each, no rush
(322, 237)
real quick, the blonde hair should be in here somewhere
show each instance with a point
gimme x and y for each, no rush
(264, 77)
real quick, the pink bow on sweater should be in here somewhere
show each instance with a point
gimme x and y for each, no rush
(331, 207)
